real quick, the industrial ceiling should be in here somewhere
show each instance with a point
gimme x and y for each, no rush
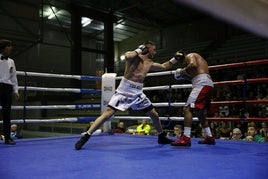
(24, 20)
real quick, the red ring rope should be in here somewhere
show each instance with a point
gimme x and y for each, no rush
(239, 64)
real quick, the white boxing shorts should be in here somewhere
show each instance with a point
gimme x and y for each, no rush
(200, 96)
(130, 94)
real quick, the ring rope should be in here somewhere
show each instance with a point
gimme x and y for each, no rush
(239, 102)
(265, 119)
(74, 90)
(78, 77)
(252, 80)
(238, 64)
(77, 106)
(97, 106)
(53, 120)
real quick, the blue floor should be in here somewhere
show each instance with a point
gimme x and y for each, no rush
(131, 157)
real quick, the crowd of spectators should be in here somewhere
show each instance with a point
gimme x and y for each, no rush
(225, 130)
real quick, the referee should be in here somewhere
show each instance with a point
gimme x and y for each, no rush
(8, 85)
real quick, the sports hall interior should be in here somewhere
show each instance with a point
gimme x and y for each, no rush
(48, 37)
(89, 38)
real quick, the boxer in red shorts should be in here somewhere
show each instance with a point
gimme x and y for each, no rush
(195, 68)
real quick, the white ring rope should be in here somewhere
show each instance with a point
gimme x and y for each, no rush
(74, 90)
(78, 77)
(87, 119)
(168, 87)
(162, 73)
(169, 104)
(30, 88)
(77, 106)
(85, 106)
(148, 118)
(53, 120)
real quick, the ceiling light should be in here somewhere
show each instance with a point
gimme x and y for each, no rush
(52, 12)
(85, 21)
(120, 26)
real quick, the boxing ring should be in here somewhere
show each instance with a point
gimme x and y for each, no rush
(131, 156)
(123, 156)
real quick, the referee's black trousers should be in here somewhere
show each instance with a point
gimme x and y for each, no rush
(6, 91)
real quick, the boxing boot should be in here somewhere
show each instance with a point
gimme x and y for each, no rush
(79, 144)
(182, 141)
(162, 139)
(208, 140)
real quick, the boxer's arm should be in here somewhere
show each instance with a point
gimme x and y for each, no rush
(161, 67)
(142, 49)
(168, 64)
(191, 68)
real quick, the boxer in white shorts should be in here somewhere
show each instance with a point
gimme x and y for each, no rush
(198, 102)
(129, 93)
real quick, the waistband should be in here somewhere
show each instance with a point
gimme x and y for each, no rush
(130, 87)
(203, 79)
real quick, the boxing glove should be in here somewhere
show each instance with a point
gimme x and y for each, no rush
(142, 49)
(178, 56)
(178, 74)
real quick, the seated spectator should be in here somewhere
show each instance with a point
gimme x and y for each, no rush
(224, 131)
(177, 130)
(213, 128)
(203, 134)
(120, 128)
(242, 126)
(264, 131)
(252, 134)
(236, 134)
(14, 132)
(144, 128)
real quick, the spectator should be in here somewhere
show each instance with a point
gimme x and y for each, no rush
(120, 128)
(264, 131)
(224, 131)
(144, 128)
(242, 126)
(177, 130)
(252, 134)
(15, 133)
(236, 134)
(213, 128)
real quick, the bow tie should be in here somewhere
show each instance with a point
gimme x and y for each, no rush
(4, 57)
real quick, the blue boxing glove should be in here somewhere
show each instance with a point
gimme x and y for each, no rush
(178, 75)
